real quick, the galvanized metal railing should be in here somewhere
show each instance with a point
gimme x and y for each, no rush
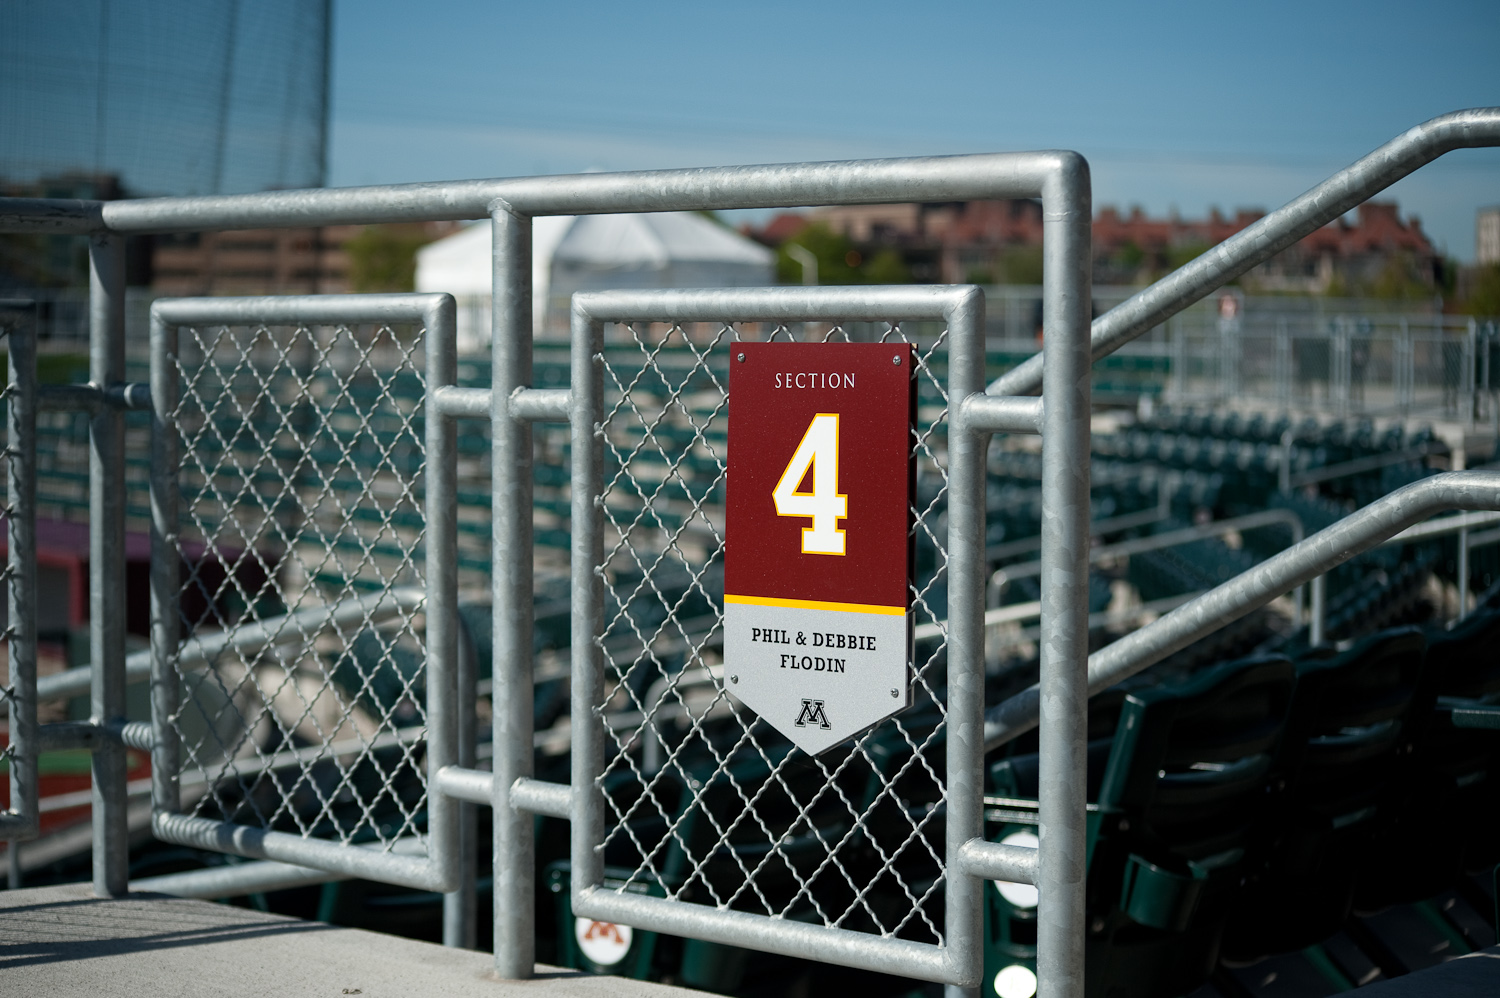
(512, 404)
(224, 484)
(21, 819)
(606, 407)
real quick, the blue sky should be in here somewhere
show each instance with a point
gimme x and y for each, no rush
(1185, 105)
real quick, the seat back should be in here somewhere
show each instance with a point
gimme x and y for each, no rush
(1350, 715)
(1178, 786)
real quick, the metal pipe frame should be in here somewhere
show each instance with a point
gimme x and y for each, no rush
(234, 881)
(1408, 152)
(1214, 528)
(1186, 535)
(1301, 563)
(1058, 177)
(203, 651)
(111, 833)
(959, 961)
(439, 870)
(1055, 176)
(21, 819)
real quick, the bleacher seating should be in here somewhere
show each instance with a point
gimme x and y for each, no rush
(1288, 783)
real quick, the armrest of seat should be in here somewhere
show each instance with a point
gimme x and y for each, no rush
(1470, 713)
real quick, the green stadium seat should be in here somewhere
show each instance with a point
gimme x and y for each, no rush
(1175, 808)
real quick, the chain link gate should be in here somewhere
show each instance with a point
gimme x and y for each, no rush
(697, 818)
(303, 654)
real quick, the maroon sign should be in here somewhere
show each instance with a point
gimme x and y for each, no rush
(779, 397)
(817, 558)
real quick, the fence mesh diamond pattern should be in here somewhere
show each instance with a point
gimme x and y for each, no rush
(301, 473)
(704, 803)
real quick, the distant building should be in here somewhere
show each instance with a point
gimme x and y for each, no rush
(1487, 235)
(944, 243)
(983, 241)
(260, 261)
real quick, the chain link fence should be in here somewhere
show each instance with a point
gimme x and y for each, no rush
(703, 809)
(300, 479)
(291, 476)
(705, 803)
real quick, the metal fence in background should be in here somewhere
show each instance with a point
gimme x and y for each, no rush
(1334, 356)
(1435, 367)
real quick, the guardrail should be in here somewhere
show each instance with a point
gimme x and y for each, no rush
(512, 404)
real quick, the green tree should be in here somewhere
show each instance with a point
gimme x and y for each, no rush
(887, 267)
(1019, 265)
(1484, 292)
(839, 261)
(384, 257)
(1185, 253)
(1398, 280)
(832, 250)
(1129, 256)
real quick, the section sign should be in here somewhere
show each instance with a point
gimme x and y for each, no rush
(818, 552)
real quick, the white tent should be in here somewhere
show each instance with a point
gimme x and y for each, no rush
(594, 252)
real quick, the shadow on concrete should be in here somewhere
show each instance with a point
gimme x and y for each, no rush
(91, 928)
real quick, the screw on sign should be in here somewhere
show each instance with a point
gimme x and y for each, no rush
(817, 557)
(603, 943)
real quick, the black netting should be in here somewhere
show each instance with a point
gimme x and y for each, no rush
(168, 97)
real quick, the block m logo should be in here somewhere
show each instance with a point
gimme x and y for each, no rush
(813, 713)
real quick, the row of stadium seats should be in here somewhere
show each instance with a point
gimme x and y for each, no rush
(1249, 808)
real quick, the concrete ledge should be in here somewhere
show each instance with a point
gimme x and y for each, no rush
(64, 941)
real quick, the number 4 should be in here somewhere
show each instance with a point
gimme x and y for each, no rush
(820, 450)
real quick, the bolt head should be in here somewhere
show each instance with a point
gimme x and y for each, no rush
(895, 694)
(896, 360)
(734, 679)
(741, 358)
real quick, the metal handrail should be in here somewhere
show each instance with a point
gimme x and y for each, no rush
(1301, 563)
(250, 639)
(1356, 183)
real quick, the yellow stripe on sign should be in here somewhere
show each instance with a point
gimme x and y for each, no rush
(816, 604)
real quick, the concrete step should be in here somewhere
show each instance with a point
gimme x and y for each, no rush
(64, 941)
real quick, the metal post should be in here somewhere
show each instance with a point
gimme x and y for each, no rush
(1487, 356)
(1470, 372)
(21, 587)
(1404, 369)
(511, 569)
(1179, 357)
(1460, 460)
(585, 417)
(1316, 635)
(966, 587)
(166, 588)
(445, 698)
(460, 907)
(1062, 861)
(107, 562)
(1283, 365)
(1284, 474)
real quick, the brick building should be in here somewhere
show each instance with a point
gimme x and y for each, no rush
(276, 261)
(256, 261)
(984, 241)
